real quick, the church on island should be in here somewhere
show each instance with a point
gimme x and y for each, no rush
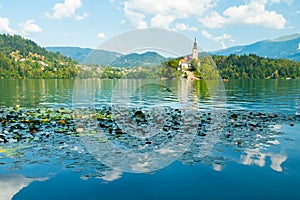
(185, 64)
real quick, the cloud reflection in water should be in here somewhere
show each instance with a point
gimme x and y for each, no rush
(11, 184)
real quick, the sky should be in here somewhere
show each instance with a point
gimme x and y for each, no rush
(216, 24)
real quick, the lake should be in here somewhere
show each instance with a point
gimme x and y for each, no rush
(149, 139)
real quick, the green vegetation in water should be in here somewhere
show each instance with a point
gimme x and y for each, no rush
(41, 135)
(28, 124)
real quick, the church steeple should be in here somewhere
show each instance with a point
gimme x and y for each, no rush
(195, 50)
(195, 44)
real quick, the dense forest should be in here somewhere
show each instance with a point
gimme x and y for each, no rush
(255, 67)
(22, 58)
(243, 67)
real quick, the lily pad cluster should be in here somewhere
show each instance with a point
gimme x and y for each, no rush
(140, 119)
(44, 135)
(26, 125)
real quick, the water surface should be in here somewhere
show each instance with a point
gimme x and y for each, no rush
(265, 166)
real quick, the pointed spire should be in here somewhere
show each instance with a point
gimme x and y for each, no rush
(195, 44)
(195, 50)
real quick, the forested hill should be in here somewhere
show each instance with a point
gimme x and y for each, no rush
(243, 67)
(256, 67)
(23, 58)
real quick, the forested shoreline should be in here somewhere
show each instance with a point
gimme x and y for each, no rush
(23, 59)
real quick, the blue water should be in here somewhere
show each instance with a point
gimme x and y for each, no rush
(175, 182)
(267, 170)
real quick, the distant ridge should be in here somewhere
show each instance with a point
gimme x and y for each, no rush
(107, 58)
(282, 47)
(135, 59)
(287, 46)
(286, 37)
(87, 55)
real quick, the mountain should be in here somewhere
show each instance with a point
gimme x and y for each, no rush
(23, 58)
(87, 55)
(16, 46)
(282, 47)
(102, 57)
(135, 59)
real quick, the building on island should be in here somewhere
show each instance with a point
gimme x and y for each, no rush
(185, 64)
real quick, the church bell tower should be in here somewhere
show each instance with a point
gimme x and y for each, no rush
(195, 50)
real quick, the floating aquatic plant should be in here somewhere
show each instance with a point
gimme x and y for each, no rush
(37, 135)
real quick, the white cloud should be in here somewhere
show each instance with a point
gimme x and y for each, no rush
(29, 27)
(4, 26)
(136, 19)
(222, 39)
(213, 20)
(252, 13)
(67, 9)
(182, 9)
(162, 21)
(280, 1)
(206, 34)
(81, 17)
(184, 27)
(101, 35)
(163, 13)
